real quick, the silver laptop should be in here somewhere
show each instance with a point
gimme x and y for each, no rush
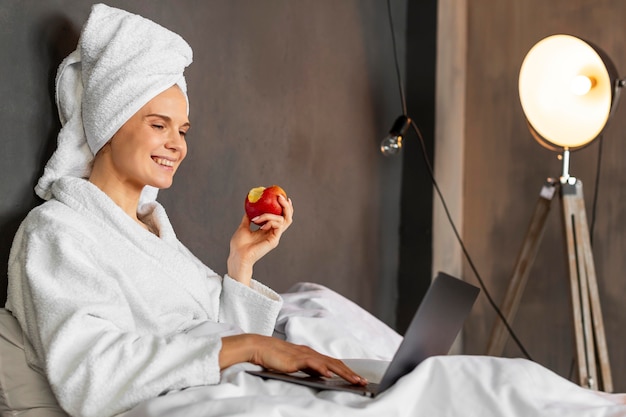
(435, 325)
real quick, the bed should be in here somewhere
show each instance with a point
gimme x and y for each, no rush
(453, 385)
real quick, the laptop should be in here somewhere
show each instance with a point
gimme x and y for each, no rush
(432, 331)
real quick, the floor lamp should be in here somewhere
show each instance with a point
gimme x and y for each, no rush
(568, 90)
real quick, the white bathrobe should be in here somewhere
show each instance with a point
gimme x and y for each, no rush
(109, 308)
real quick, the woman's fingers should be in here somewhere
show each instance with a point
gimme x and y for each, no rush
(331, 366)
(283, 356)
(275, 221)
(287, 205)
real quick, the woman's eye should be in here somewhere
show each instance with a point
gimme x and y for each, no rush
(159, 127)
(183, 134)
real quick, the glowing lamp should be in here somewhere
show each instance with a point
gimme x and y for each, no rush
(568, 89)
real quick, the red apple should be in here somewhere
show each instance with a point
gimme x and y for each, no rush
(261, 200)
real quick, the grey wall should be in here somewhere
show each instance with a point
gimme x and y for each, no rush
(296, 93)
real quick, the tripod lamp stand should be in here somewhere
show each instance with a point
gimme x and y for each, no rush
(568, 90)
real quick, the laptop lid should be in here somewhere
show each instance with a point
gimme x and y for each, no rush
(435, 325)
(432, 331)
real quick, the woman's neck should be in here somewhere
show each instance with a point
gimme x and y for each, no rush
(124, 195)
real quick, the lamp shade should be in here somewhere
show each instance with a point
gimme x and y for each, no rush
(568, 88)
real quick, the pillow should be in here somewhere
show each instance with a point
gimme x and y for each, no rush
(24, 391)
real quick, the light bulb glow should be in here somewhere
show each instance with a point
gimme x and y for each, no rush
(391, 145)
(581, 85)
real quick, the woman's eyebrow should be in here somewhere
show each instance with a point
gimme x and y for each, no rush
(167, 119)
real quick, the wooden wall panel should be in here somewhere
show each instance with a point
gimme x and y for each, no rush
(504, 169)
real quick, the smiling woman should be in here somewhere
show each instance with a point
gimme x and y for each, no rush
(106, 295)
(147, 150)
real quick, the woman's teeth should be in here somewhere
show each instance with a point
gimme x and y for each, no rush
(164, 162)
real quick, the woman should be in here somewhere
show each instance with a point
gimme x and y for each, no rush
(108, 298)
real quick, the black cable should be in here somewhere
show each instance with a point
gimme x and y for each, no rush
(395, 59)
(443, 202)
(464, 249)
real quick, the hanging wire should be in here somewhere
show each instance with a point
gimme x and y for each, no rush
(395, 59)
(441, 198)
(463, 248)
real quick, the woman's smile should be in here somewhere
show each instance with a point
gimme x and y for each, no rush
(164, 162)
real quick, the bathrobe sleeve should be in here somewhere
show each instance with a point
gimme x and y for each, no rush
(254, 309)
(99, 357)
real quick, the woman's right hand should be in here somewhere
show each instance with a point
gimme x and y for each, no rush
(278, 355)
(248, 246)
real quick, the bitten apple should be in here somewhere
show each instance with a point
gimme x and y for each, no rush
(261, 200)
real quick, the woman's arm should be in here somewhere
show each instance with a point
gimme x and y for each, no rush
(278, 355)
(246, 248)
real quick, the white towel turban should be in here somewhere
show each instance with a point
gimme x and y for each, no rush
(121, 62)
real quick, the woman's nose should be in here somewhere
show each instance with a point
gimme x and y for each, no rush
(175, 141)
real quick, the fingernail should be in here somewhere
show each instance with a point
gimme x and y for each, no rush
(362, 380)
(255, 219)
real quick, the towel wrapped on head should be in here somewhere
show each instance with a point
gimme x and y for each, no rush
(122, 61)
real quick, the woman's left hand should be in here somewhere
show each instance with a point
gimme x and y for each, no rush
(248, 246)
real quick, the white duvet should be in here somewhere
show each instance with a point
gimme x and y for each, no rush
(452, 385)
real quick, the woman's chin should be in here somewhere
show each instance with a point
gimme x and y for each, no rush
(162, 184)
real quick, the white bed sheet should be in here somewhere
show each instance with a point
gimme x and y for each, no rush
(441, 386)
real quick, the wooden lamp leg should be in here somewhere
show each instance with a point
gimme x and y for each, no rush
(525, 260)
(590, 337)
(591, 348)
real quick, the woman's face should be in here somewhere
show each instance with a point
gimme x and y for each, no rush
(150, 146)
